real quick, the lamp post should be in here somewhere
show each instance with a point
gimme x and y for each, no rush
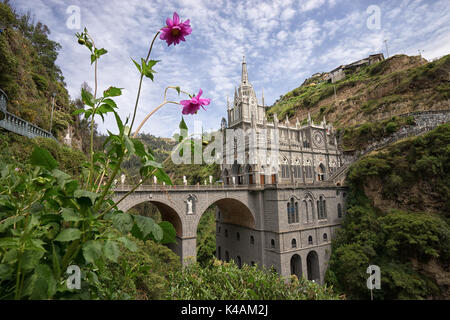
(53, 106)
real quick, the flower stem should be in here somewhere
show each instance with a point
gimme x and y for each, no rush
(91, 174)
(140, 84)
(150, 114)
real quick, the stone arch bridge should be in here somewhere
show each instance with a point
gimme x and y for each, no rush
(252, 224)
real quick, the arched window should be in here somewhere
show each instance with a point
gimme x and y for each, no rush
(272, 243)
(305, 206)
(238, 236)
(219, 253)
(294, 243)
(226, 233)
(321, 209)
(292, 211)
(252, 263)
(325, 237)
(252, 240)
(311, 207)
(227, 256)
(239, 262)
(297, 219)
(339, 209)
(310, 240)
(289, 212)
(321, 174)
(218, 230)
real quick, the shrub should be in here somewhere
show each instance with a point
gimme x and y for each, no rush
(225, 281)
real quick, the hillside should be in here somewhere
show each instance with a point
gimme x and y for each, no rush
(397, 218)
(394, 86)
(29, 75)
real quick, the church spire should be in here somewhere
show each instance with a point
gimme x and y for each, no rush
(244, 77)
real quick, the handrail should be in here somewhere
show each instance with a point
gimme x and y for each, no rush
(15, 124)
(208, 187)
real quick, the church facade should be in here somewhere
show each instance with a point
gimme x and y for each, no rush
(300, 208)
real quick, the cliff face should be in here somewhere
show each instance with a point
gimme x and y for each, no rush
(30, 77)
(398, 218)
(395, 86)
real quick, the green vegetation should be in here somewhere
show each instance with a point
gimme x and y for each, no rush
(17, 149)
(359, 137)
(225, 281)
(140, 275)
(28, 73)
(397, 85)
(414, 175)
(206, 237)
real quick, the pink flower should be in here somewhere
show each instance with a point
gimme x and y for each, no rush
(193, 105)
(175, 30)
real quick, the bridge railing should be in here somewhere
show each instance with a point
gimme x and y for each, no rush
(159, 187)
(18, 125)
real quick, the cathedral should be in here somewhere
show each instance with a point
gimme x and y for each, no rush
(304, 153)
(294, 207)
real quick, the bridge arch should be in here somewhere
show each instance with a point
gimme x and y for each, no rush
(168, 210)
(232, 211)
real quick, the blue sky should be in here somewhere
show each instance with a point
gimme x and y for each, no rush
(284, 42)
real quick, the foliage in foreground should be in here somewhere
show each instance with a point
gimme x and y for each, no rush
(406, 244)
(225, 281)
(139, 275)
(17, 149)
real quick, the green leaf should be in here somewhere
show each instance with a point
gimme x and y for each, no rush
(151, 163)
(111, 250)
(86, 194)
(130, 245)
(169, 233)
(100, 52)
(69, 234)
(30, 259)
(6, 272)
(112, 92)
(6, 223)
(162, 176)
(61, 177)
(122, 222)
(110, 102)
(137, 65)
(147, 227)
(92, 251)
(42, 158)
(139, 148)
(77, 112)
(87, 97)
(45, 285)
(183, 125)
(119, 122)
(129, 145)
(70, 215)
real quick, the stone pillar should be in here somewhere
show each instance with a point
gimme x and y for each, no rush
(187, 249)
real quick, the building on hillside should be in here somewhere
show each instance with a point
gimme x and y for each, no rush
(340, 72)
(299, 208)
